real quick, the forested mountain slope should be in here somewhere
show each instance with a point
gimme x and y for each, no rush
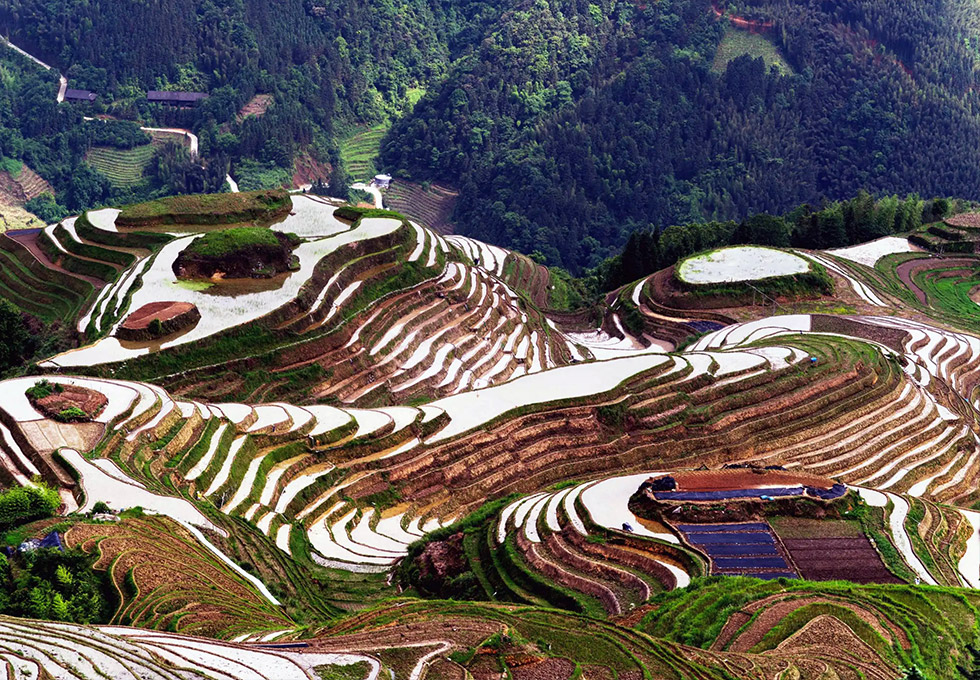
(566, 125)
(637, 129)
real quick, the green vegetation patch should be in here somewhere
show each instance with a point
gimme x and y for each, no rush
(27, 503)
(50, 584)
(737, 43)
(230, 241)
(248, 206)
(123, 167)
(360, 149)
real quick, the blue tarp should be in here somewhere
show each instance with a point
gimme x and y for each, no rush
(751, 563)
(769, 576)
(710, 528)
(704, 326)
(735, 549)
(725, 495)
(740, 538)
(52, 540)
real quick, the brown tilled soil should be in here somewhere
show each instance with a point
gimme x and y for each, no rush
(164, 311)
(828, 637)
(89, 401)
(827, 559)
(549, 669)
(256, 106)
(741, 478)
(433, 208)
(27, 185)
(968, 220)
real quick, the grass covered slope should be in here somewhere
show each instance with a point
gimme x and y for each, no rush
(876, 630)
(204, 209)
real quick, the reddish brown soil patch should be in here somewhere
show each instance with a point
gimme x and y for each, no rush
(549, 669)
(173, 317)
(307, 170)
(27, 185)
(256, 106)
(163, 311)
(742, 478)
(968, 220)
(89, 401)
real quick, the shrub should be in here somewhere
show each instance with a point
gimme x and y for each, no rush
(101, 507)
(26, 504)
(71, 414)
(41, 389)
(156, 327)
(47, 208)
(227, 241)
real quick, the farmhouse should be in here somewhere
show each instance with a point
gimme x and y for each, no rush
(382, 181)
(181, 99)
(79, 96)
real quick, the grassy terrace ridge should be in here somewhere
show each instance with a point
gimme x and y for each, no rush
(265, 206)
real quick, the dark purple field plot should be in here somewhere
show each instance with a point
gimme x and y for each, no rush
(827, 544)
(741, 549)
(750, 563)
(828, 559)
(712, 528)
(833, 556)
(742, 538)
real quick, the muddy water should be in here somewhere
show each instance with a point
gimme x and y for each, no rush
(156, 344)
(235, 287)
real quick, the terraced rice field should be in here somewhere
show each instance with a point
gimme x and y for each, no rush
(430, 207)
(359, 151)
(368, 410)
(123, 167)
(36, 649)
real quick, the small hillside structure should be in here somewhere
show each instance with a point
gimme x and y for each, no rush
(80, 96)
(382, 181)
(181, 99)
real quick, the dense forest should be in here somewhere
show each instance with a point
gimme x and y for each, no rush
(834, 225)
(643, 133)
(567, 124)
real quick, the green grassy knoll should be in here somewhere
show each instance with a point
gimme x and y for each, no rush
(248, 206)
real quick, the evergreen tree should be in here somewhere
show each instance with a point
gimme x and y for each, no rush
(339, 184)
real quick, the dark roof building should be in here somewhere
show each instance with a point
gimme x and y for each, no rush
(175, 98)
(79, 96)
